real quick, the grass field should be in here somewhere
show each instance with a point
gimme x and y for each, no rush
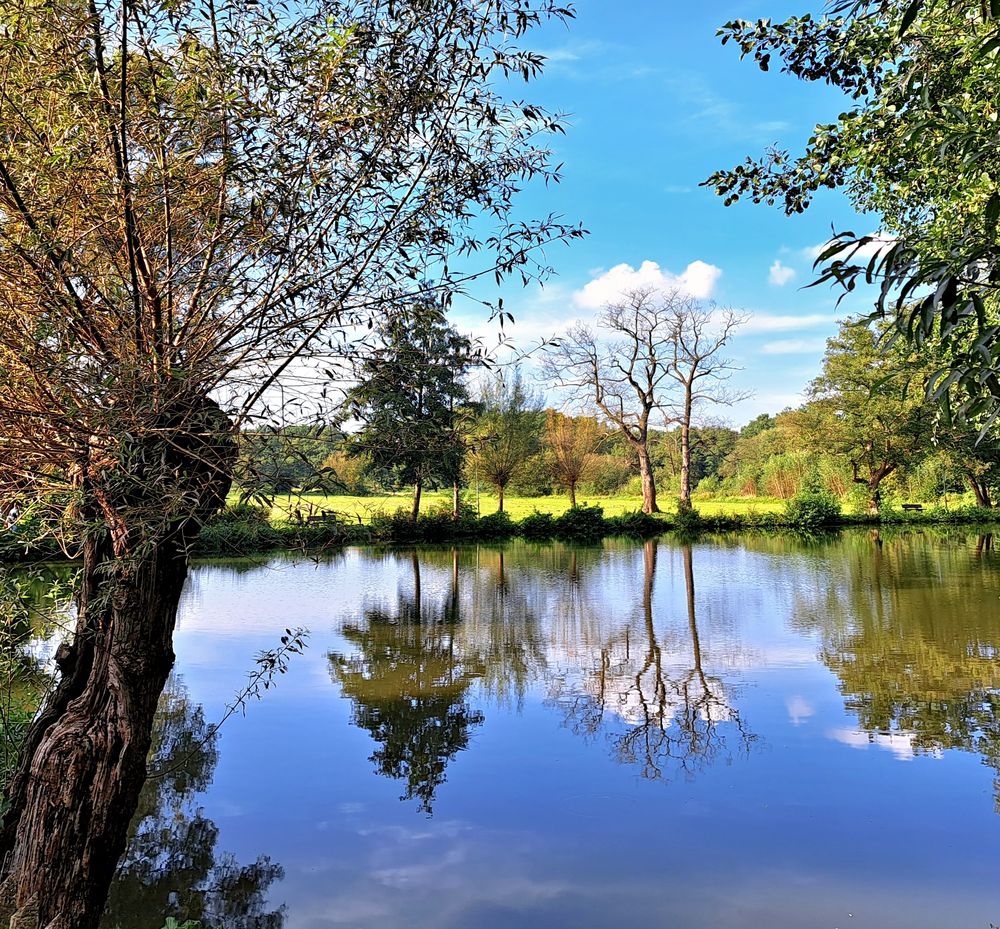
(353, 508)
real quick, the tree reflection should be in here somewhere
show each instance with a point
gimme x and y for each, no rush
(915, 644)
(677, 715)
(411, 667)
(172, 866)
(408, 683)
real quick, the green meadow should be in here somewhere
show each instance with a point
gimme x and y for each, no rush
(363, 509)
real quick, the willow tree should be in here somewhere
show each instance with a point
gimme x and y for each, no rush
(200, 205)
(574, 442)
(508, 432)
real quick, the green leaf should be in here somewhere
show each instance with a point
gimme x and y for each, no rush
(991, 44)
(911, 14)
(993, 210)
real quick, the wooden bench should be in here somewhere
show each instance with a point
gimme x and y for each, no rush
(324, 517)
(913, 506)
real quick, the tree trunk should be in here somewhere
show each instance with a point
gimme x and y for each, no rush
(981, 491)
(572, 493)
(687, 556)
(684, 501)
(648, 484)
(874, 497)
(417, 491)
(500, 495)
(456, 499)
(83, 763)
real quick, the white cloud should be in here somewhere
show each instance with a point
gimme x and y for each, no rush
(697, 279)
(779, 274)
(793, 346)
(763, 323)
(899, 743)
(799, 710)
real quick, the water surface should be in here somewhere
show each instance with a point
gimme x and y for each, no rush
(755, 733)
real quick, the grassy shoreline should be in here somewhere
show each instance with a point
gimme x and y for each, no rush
(246, 531)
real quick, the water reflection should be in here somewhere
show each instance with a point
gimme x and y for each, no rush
(173, 866)
(408, 685)
(411, 667)
(912, 634)
(558, 708)
(678, 716)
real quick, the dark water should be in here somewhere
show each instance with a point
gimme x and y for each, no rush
(748, 734)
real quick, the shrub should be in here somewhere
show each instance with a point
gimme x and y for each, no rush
(610, 474)
(811, 507)
(538, 526)
(495, 526)
(582, 523)
(393, 527)
(635, 523)
(709, 485)
(688, 520)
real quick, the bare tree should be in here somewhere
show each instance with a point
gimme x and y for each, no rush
(698, 334)
(201, 205)
(574, 441)
(625, 374)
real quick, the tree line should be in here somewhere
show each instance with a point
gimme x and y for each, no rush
(427, 413)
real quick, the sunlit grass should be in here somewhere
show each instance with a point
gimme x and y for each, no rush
(364, 508)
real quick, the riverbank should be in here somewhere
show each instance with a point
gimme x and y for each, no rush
(247, 530)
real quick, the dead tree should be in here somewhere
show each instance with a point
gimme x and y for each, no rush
(622, 369)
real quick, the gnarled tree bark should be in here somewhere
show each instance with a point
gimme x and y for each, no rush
(84, 761)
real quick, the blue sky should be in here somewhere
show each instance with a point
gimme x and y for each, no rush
(655, 104)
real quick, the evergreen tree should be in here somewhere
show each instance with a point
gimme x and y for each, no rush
(408, 399)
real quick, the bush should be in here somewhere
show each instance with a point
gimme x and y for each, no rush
(609, 475)
(581, 523)
(810, 508)
(495, 526)
(237, 538)
(538, 526)
(709, 486)
(636, 524)
(688, 520)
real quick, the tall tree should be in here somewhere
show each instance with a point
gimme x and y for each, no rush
(574, 441)
(409, 393)
(698, 334)
(509, 429)
(915, 144)
(622, 368)
(868, 405)
(200, 206)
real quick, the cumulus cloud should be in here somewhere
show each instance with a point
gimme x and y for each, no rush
(697, 279)
(779, 274)
(793, 346)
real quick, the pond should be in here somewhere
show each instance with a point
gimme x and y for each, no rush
(743, 733)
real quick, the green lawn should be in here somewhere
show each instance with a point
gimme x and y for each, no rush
(352, 508)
